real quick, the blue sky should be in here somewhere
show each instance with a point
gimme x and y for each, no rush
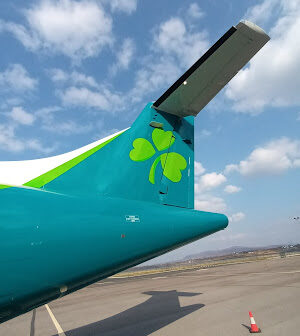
(72, 72)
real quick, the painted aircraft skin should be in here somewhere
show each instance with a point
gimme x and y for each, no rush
(99, 210)
(67, 235)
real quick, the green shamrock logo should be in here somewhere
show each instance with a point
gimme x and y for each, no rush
(172, 163)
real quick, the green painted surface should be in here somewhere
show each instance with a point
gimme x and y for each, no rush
(153, 169)
(172, 163)
(142, 150)
(49, 176)
(3, 186)
(162, 139)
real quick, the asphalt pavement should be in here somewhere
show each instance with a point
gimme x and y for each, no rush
(212, 301)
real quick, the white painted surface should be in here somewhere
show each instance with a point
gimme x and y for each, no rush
(55, 322)
(20, 172)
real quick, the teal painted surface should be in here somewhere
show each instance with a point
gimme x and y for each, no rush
(49, 240)
(112, 211)
(112, 172)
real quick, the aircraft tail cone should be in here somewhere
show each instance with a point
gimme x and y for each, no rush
(254, 328)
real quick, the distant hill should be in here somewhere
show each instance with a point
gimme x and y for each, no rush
(229, 250)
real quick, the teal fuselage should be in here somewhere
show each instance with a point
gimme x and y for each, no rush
(53, 244)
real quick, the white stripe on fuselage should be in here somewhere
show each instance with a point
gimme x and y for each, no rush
(20, 172)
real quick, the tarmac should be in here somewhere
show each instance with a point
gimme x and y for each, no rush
(212, 301)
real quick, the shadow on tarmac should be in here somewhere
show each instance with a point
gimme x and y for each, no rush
(247, 327)
(161, 309)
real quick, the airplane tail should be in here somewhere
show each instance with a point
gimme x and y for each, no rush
(154, 159)
(151, 161)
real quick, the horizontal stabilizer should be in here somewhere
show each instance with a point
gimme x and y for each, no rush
(200, 84)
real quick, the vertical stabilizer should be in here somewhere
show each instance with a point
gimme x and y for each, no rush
(152, 161)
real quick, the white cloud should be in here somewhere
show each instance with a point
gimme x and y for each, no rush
(8, 140)
(67, 127)
(77, 29)
(199, 169)
(174, 48)
(231, 168)
(231, 189)
(194, 11)
(296, 163)
(155, 75)
(85, 97)
(262, 12)
(173, 38)
(207, 202)
(16, 78)
(237, 217)
(203, 200)
(205, 133)
(46, 112)
(275, 157)
(47, 117)
(273, 76)
(127, 6)
(21, 33)
(80, 90)
(209, 181)
(11, 143)
(58, 75)
(13, 101)
(36, 145)
(102, 99)
(81, 79)
(74, 78)
(124, 56)
(19, 115)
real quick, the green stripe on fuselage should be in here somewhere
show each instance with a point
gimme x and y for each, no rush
(43, 179)
(3, 186)
(52, 174)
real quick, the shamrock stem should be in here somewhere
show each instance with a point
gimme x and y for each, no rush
(152, 170)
